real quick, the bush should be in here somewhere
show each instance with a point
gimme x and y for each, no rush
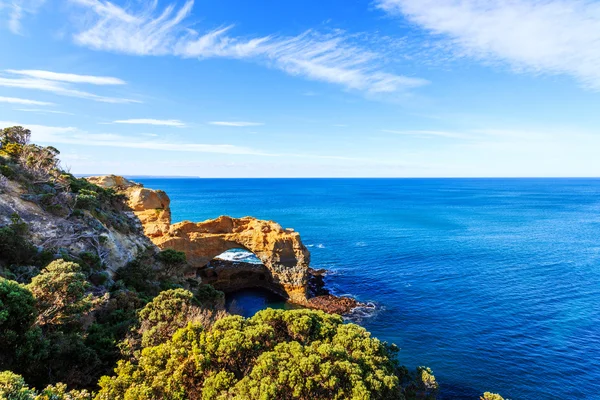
(86, 200)
(274, 355)
(137, 274)
(17, 315)
(15, 135)
(60, 293)
(7, 171)
(208, 295)
(15, 247)
(13, 387)
(165, 314)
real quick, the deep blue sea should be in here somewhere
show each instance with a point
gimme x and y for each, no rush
(493, 283)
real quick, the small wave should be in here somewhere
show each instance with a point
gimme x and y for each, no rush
(359, 314)
(361, 244)
(320, 246)
(239, 256)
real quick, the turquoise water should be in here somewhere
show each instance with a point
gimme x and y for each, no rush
(493, 283)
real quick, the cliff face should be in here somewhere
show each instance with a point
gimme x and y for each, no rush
(115, 247)
(151, 207)
(285, 259)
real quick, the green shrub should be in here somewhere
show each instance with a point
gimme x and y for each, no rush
(172, 257)
(13, 387)
(165, 314)
(137, 274)
(86, 200)
(60, 291)
(17, 315)
(15, 247)
(207, 294)
(274, 355)
(7, 171)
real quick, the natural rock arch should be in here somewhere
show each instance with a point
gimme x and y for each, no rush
(280, 250)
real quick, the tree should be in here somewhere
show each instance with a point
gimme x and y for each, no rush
(17, 315)
(15, 134)
(297, 354)
(13, 387)
(163, 316)
(60, 293)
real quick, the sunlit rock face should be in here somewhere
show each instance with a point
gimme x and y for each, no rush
(150, 206)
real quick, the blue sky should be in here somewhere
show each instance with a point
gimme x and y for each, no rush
(406, 88)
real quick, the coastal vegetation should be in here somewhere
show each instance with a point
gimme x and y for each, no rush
(74, 325)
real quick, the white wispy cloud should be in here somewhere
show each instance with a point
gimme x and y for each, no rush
(336, 58)
(146, 121)
(43, 111)
(55, 135)
(16, 10)
(64, 77)
(235, 123)
(58, 87)
(540, 36)
(428, 133)
(16, 100)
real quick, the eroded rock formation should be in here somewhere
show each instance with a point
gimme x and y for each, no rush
(281, 250)
(285, 259)
(150, 206)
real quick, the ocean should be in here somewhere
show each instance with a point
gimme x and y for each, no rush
(493, 283)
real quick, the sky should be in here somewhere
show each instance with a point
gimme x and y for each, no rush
(311, 88)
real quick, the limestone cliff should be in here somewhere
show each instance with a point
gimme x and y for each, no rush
(285, 259)
(150, 206)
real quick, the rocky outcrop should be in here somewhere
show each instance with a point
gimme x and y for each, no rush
(281, 250)
(150, 206)
(115, 247)
(285, 259)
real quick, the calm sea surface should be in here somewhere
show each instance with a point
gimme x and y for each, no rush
(493, 283)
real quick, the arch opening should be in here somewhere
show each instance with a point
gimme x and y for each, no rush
(239, 269)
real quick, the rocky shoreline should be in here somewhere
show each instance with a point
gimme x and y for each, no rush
(321, 298)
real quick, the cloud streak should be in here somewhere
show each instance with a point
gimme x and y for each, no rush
(540, 36)
(43, 111)
(428, 133)
(16, 100)
(17, 10)
(71, 78)
(335, 58)
(146, 121)
(61, 88)
(235, 123)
